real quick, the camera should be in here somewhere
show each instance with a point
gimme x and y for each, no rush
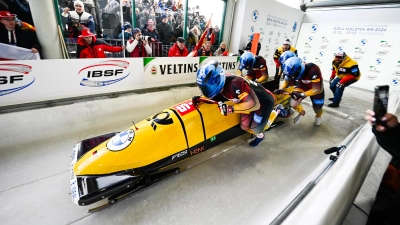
(145, 38)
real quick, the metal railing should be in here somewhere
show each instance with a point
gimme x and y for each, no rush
(158, 49)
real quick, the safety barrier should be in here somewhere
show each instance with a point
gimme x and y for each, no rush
(330, 191)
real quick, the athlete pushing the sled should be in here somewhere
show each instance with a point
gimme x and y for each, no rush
(251, 100)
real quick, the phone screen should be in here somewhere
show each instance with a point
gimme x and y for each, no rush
(381, 102)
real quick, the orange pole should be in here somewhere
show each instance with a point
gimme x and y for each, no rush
(254, 43)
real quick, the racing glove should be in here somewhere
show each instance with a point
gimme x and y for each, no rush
(297, 95)
(195, 100)
(279, 91)
(225, 109)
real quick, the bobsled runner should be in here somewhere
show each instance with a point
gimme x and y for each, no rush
(115, 165)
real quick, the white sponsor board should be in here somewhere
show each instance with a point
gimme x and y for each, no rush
(170, 70)
(40, 80)
(229, 63)
(373, 45)
(274, 21)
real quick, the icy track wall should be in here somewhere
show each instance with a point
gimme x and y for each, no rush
(25, 127)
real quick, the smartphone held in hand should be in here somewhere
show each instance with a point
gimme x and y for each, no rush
(381, 98)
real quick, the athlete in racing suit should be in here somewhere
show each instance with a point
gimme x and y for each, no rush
(279, 51)
(346, 72)
(256, 67)
(251, 100)
(308, 81)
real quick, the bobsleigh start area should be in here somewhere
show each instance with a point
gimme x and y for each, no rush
(115, 165)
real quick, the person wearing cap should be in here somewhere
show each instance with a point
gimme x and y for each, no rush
(178, 49)
(285, 47)
(78, 19)
(127, 31)
(14, 35)
(136, 46)
(165, 30)
(345, 72)
(90, 47)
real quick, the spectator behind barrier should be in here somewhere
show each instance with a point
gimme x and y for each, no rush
(90, 47)
(78, 20)
(178, 49)
(221, 51)
(14, 35)
(127, 31)
(216, 33)
(136, 46)
(165, 30)
(248, 46)
(205, 50)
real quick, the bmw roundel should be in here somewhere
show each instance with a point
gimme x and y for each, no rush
(294, 28)
(379, 61)
(254, 16)
(252, 29)
(395, 81)
(363, 42)
(314, 28)
(121, 140)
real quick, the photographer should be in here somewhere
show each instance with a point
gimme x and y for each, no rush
(137, 46)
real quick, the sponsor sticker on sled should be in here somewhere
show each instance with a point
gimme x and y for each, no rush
(73, 180)
(185, 107)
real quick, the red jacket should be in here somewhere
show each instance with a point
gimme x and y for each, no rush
(138, 51)
(175, 51)
(95, 49)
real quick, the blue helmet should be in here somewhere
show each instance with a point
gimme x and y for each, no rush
(293, 68)
(247, 61)
(211, 79)
(285, 55)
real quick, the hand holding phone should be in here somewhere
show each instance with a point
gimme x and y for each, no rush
(381, 98)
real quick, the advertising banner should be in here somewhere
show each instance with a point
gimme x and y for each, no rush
(275, 22)
(40, 80)
(372, 45)
(229, 63)
(170, 70)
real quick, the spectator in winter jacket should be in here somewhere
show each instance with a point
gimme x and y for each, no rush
(78, 19)
(178, 49)
(205, 50)
(221, 51)
(136, 46)
(89, 47)
(165, 30)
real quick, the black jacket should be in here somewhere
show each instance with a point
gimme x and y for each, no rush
(389, 140)
(25, 39)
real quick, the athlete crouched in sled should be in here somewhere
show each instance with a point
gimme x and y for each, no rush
(308, 81)
(254, 103)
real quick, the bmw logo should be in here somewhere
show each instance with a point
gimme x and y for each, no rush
(395, 81)
(363, 42)
(254, 16)
(294, 28)
(304, 58)
(314, 28)
(379, 61)
(121, 140)
(310, 38)
(340, 48)
(321, 53)
(252, 29)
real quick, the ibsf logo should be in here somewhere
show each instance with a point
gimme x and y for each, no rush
(314, 28)
(294, 28)
(382, 52)
(14, 77)
(385, 44)
(154, 70)
(104, 73)
(254, 16)
(325, 39)
(363, 42)
(379, 61)
(359, 50)
(395, 81)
